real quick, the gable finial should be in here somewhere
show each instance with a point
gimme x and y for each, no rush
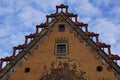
(71, 15)
(42, 26)
(6, 59)
(62, 6)
(52, 16)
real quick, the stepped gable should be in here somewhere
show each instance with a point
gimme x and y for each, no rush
(80, 31)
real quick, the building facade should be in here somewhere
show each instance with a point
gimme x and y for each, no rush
(61, 49)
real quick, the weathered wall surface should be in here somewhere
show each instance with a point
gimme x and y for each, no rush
(79, 58)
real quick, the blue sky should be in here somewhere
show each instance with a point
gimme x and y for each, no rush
(19, 18)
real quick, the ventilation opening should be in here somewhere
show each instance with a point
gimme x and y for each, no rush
(99, 68)
(27, 69)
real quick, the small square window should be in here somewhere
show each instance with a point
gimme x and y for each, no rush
(61, 28)
(61, 48)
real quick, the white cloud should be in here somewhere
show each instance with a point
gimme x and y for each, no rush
(5, 11)
(45, 6)
(115, 3)
(116, 11)
(108, 30)
(116, 48)
(6, 48)
(4, 54)
(109, 33)
(17, 39)
(101, 2)
(115, 14)
(30, 16)
(85, 8)
(84, 19)
(5, 30)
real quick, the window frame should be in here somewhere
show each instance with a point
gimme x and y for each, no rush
(56, 48)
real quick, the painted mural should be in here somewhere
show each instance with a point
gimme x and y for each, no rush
(64, 68)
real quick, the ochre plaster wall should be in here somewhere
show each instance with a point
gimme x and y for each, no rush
(44, 55)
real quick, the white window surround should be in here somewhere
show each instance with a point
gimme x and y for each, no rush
(61, 51)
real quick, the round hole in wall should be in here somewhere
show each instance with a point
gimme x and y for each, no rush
(99, 68)
(27, 69)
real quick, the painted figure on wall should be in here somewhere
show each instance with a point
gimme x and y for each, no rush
(64, 69)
